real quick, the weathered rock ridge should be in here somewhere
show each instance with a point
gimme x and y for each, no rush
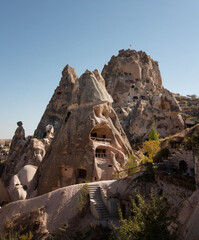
(133, 80)
(56, 109)
(90, 144)
(21, 164)
(190, 109)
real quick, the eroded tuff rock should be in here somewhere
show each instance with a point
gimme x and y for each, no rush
(58, 104)
(3, 153)
(90, 144)
(22, 162)
(189, 217)
(18, 137)
(60, 206)
(190, 109)
(133, 79)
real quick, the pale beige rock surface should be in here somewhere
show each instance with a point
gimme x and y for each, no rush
(59, 207)
(21, 165)
(90, 144)
(58, 104)
(20, 183)
(189, 217)
(18, 138)
(28, 152)
(133, 80)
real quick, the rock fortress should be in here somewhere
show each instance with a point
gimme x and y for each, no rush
(86, 156)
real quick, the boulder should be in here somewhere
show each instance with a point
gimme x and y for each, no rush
(21, 182)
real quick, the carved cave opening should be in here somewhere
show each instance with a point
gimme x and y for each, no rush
(183, 167)
(81, 173)
(100, 152)
(67, 117)
(101, 133)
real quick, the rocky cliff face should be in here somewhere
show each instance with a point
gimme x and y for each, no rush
(58, 104)
(21, 164)
(190, 109)
(133, 80)
(90, 144)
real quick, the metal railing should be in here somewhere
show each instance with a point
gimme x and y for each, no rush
(102, 155)
(101, 139)
(131, 171)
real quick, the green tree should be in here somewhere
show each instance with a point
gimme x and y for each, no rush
(131, 165)
(193, 96)
(150, 221)
(154, 134)
(151, 148)
(82, 197)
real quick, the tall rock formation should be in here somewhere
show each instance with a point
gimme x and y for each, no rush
(58, 104)
(22, 161)
(133, 80)
(90, 144)
(18, 137)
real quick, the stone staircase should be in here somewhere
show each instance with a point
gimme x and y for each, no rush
(96, 199)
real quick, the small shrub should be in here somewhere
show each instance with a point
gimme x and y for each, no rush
(131, 165)
(151, 148)
(82, 197)
(163, 153)
(154, 134)
(131, 162)
(193, 96)
(27, 224)
(27, 236)
(8, 236)
(59, 233)
(148, 175)
(16, 236)
(150, 221)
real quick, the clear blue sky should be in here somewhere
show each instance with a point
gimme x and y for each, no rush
(39, 37)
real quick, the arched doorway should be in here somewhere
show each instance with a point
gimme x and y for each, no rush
(183, 167)
(81, 175)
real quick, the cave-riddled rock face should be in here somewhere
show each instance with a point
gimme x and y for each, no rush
(133, 80)
(58, 104)
(90, 144)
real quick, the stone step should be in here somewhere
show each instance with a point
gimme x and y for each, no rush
(105, 214)
(95, 195)
(98, 203)
(96, 200)
(94, 190)
(101, 207)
